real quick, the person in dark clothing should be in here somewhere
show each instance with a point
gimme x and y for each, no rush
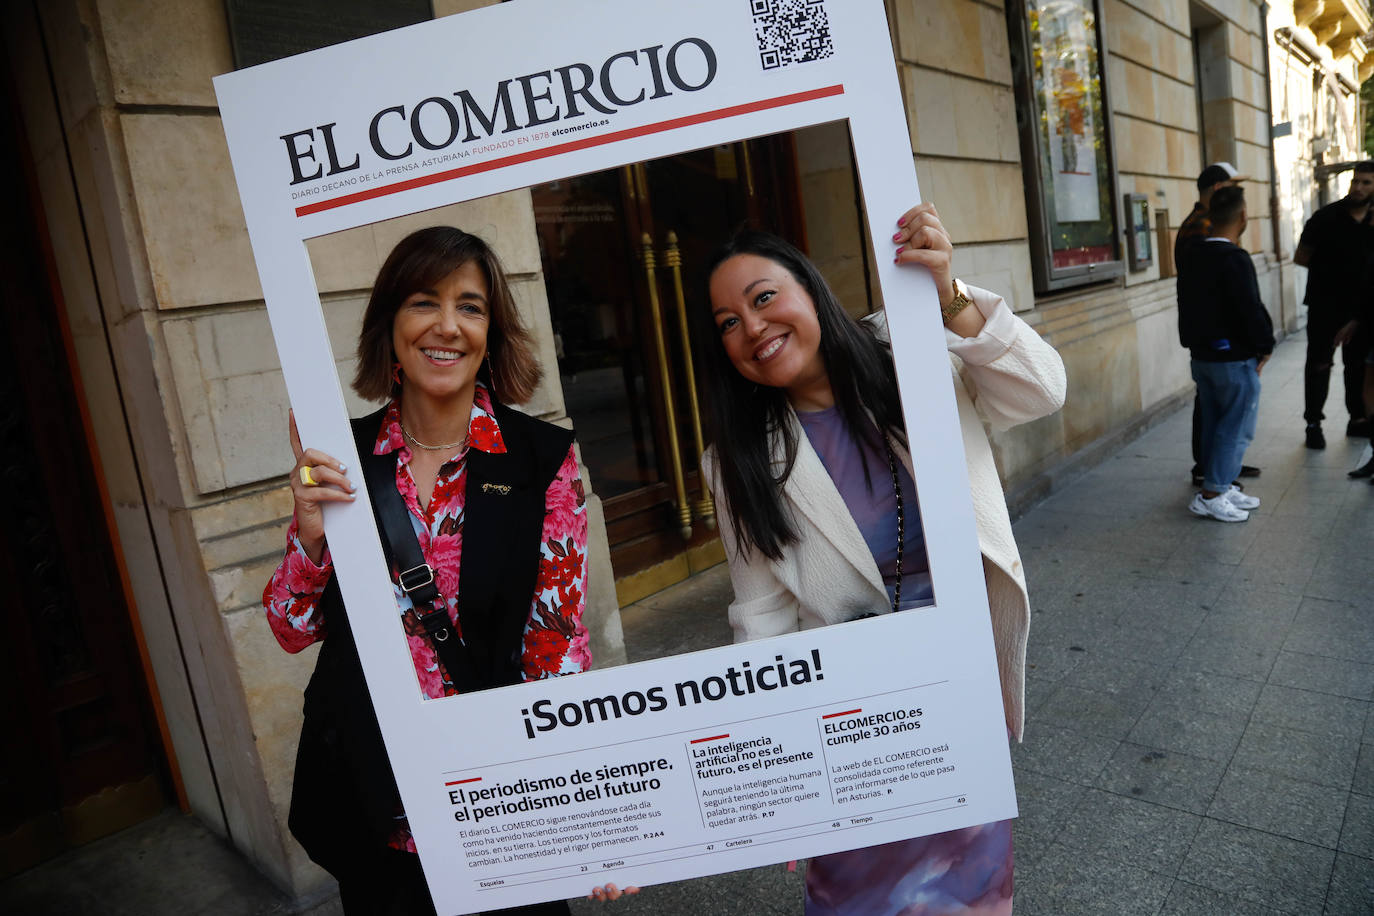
(1336, 246)
(1365, 321)
(1197, 227)
(1227, 329)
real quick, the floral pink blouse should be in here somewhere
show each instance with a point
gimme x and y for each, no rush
(555, 642)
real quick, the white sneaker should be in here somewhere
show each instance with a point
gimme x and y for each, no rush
(1240, 500)
(1218, 507)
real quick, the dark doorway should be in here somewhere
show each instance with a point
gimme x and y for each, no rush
(81, 757)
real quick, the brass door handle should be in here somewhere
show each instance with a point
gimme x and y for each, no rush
(684, 508)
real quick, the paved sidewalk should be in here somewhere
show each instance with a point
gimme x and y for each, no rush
(1199, 736)
(1199, 733)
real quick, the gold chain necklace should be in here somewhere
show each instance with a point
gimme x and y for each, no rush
(430, 448)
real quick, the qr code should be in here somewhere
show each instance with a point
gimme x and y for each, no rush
(791, 32)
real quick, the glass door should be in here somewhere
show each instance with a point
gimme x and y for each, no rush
(623, 256)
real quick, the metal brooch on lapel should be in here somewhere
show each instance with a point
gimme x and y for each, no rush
(499, 488)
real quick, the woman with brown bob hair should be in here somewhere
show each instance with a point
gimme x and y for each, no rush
(418, 261)
(495, 506)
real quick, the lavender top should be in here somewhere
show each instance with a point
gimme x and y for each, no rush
(872, 503)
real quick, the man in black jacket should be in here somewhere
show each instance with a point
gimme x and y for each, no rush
(1336, 247)
(1195, 229)
(1227, 329)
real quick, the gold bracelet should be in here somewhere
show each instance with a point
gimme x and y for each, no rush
(960, 302)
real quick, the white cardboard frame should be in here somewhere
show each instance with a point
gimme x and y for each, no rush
(935, 666)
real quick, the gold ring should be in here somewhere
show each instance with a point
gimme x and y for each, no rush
(306, 478)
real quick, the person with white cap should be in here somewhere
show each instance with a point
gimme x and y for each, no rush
(1197, 227)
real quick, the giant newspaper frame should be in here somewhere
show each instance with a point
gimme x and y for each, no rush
(312, 138)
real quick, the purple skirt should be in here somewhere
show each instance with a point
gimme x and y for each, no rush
(966, 872)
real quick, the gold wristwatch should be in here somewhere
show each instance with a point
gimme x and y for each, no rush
(960, 302)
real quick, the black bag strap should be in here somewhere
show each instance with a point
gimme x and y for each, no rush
(416, 576)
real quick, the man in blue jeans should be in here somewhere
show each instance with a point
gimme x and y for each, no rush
(1226, 328)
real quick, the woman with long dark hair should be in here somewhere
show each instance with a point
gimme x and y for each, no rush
(818, 507)
(443, 345)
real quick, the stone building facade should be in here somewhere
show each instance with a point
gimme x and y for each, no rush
(183, 414)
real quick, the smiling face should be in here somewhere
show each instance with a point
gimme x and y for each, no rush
(439, 335)
(768, 326)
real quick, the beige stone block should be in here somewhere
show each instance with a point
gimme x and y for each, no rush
(1164, 365)
(533, 302)
(165, 656)
(1144, 149)
(1180, 152)
(242, 547)
(931, 106)
(960, 36)
(1128, 32)
(834, 237)
(274, 686)
(1173, 55)
(1247, 85)
(241, 511)
(953, 116)
(1002, 267)
(1252, 124)
(824, 147)
(101, 395)
(237, 587)
(114, 237)
(71, 35)
(343, 321)
(978, 201)
(231, 397)
(344, 261)
(503, 221)
(1092, 408)
(1173, 13)
(1177, 104)
(1243, 15)
(198, 250)
(249, 419)
(1025, 449)
(1252, 160)
(148, 69)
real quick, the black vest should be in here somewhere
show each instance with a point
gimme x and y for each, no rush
(344, 799)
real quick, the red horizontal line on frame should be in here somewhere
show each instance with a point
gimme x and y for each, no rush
(847, 712)
(460, 782)
(644, 130)
(712, 738)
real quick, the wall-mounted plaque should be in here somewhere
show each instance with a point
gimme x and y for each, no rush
(1140, 242)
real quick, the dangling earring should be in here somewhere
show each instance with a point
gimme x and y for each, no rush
(396, 373)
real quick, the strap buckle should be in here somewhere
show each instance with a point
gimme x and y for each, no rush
(416, 577)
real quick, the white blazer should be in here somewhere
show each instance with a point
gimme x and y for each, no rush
(1006, 374)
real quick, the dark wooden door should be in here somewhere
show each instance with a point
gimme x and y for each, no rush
(80, 758)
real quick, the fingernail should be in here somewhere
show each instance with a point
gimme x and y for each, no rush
(900, 249)
(343, 468)
(896, 236)
(902, 221)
